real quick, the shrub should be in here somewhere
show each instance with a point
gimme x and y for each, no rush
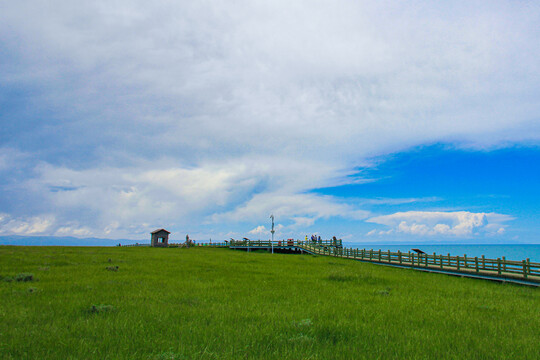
(340, 277)
(384, 292)
(24, 277)
(100, 308)
(112, 268)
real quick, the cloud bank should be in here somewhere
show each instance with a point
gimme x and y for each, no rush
(437, 223)
(134, 115)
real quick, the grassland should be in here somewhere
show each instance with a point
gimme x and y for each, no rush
(204, 303)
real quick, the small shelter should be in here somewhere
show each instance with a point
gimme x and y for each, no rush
(160, 238)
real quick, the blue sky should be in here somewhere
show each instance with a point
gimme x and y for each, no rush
(375, 122)
(440, 178)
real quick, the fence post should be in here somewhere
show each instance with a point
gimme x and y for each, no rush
(465, 261)
(457, 262)
(476, 263)
(399, 256)
(524, 269)
(389, 257)
(370, 254)
(483, 262)
(449, 260)
(380, 255)
(440, 261)
(528, 266)
(412, 258)
(504, 263)
(499, 266)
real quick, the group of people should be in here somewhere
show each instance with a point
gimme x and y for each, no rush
(317, 239)
(189, 242)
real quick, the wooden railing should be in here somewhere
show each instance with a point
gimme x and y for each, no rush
(278, 243)
(500, 267)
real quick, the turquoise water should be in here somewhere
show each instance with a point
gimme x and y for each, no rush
(511, 252)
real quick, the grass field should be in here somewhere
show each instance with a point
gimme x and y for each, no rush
(204, 303)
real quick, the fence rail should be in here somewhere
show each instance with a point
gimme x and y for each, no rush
(289, 242)
(500, 267)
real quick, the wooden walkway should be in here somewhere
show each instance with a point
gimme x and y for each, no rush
(522, 272)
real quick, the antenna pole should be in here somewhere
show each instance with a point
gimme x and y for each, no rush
(272, 231)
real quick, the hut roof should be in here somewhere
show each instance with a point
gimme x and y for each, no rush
(159, 230)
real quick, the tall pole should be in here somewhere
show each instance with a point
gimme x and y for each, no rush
(272, 231)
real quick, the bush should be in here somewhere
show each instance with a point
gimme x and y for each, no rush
(112, 268)
(24, 277)
(100, 308)
(340, 277)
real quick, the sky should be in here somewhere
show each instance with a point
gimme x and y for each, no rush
(374, 121)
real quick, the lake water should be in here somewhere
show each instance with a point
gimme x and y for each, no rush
(511, 252)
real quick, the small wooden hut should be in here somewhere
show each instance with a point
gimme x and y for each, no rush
(160, 238)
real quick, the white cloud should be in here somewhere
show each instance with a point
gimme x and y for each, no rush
(293, 206)
(73, 231)
(231, 111)
(44, 224)
(302, 221)
(130, 200)
(434, 223)
(34, 225)
(398, 201)
(259, 230)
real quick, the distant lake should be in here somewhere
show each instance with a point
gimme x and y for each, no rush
(511, 252)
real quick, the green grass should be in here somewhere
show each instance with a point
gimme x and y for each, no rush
(204, 303)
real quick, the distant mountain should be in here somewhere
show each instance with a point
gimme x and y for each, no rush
(64, 241)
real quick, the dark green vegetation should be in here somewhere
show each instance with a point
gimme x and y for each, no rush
(204, 303)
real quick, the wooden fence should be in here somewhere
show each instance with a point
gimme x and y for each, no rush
(281, 243)
(500, 267)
